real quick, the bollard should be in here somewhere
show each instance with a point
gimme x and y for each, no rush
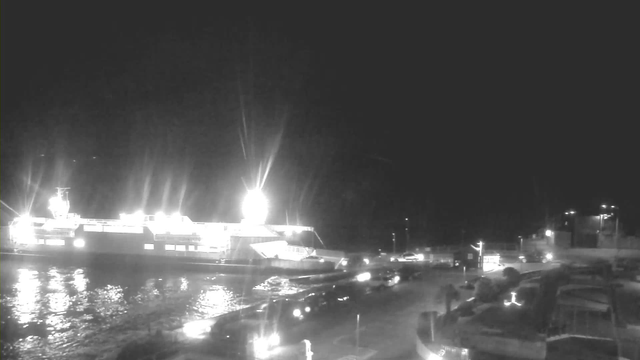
(305, 352)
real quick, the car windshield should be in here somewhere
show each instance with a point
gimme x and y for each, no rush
(171, 172)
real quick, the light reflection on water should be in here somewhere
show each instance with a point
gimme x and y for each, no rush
(61, 312)
(27, 295)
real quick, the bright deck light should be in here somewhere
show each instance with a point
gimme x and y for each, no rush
(79, 243)
(255, 207)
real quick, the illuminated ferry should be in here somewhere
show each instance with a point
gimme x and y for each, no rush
(170, 236)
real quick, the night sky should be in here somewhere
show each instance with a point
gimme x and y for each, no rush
(482, 120)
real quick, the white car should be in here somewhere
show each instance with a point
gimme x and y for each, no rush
(408, 256)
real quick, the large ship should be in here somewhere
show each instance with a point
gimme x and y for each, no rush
(171, 238)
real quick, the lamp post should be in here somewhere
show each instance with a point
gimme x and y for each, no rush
(393, 238)
(406, 230)
(571, 214)
(521, 240)
(617, 210)
(479, 249)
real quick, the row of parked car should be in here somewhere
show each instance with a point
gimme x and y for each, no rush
(256, 331)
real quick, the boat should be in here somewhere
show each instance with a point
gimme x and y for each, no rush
(168, 238)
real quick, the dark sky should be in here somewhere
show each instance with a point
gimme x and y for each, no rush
(482, 119)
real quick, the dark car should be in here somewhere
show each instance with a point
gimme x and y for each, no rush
(408, 273)
(256, 333)
(247, 338)
(535, 256)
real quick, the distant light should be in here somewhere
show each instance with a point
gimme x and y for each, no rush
(274, 340)
(255, 207)
(548, 233)
(566, 213)
(363, 277)
(307, 309)
(197, 329)
(79, 243)
(94, 158)
(406, 219)
(73, 160)
(366, 261)
(297, 312)
(613, 206)
(603, 206)
(549, 256)
(572, 212)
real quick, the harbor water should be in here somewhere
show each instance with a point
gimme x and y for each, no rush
(52, 311)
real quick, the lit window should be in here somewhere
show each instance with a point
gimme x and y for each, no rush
(169, 247)
(203, 248)
(180, 248)
(149, 246)
(192, 248)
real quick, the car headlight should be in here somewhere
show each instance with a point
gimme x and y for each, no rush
(549, 256)
(344, 262)
(521, 257)
(366, 261)
(197, 329)
(363, 277)
(420, 257)
(297, 312)
(393, 259)
(274, 340)
(79, 243)
(396, 278)
(307, 309)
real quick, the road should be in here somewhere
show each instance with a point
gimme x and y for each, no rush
(387, 321)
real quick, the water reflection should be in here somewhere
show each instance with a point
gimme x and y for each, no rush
(25, 302)
(63, 311)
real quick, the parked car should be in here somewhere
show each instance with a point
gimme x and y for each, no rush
(384, 279)
(535, 256)
(255, 334)
(408, 256)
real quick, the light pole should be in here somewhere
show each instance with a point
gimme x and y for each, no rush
(393, 238)
(406, 230)
(479, 249)
(571, 213)
(521, 239)
(617, 209)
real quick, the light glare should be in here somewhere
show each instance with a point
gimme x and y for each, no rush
(255, 207)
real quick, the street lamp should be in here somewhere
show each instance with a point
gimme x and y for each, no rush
(521, 239)
(393, 238)
(406, 230)
(571, 214)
